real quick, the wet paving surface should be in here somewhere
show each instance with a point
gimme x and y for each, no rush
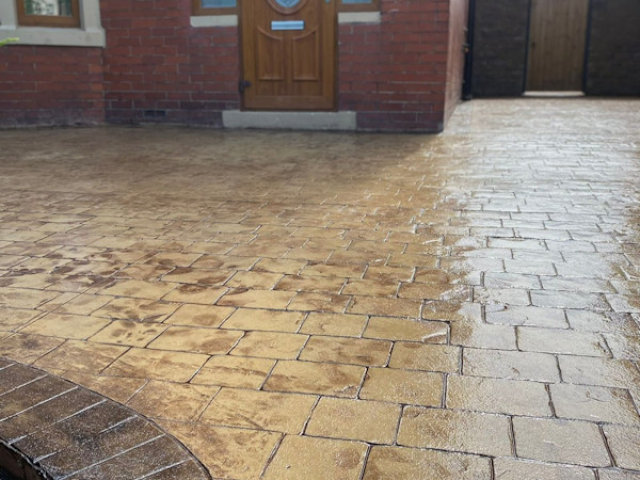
(53, 429)
(337, 306)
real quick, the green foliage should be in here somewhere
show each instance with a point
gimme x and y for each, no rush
(7, 41)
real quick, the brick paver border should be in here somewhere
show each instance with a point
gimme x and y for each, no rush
(54, 429)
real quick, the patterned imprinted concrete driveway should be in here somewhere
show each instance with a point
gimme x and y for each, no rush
(316, 306)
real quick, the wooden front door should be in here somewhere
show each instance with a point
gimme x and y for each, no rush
(289, 54)
(557, 40)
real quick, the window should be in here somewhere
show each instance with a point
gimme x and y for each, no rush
(74, 23)
(214, 7)
(359, 5)
(224, 13)
(49, 13)
(226, 7)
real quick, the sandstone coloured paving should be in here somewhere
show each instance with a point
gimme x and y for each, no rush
(461, 306)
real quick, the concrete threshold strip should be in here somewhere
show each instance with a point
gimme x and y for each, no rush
(52, 429)
(331, 121)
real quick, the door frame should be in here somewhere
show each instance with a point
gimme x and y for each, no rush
(587, 48)
(467, 77)
(335, 61)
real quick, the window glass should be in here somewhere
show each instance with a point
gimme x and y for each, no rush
(359, 5)
(49, 13)
(218, 3)
(57, 8)
(225, 7)
(214, 7)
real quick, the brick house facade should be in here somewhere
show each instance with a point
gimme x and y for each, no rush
(399, 66)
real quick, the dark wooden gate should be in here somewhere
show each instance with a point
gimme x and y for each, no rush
(557, 42)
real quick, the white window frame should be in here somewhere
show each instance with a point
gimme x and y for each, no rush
(90, 33)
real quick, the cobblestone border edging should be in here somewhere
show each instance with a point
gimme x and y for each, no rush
(53, 429)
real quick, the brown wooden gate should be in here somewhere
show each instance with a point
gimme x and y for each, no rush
(557, 41)
(289, 54)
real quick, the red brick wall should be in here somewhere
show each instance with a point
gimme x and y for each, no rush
(394, 74)
(156, 62)
(50, 86)
(157, 68)
(458, 20)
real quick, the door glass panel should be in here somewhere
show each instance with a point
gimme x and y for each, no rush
(287, 3)
(56, 8)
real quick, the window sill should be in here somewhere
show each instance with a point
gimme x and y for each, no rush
(64, 37)
(215, 21)
(359, 17)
